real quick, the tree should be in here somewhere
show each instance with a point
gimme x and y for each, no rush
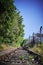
(11, 27)
(17, 28)
(6, 18)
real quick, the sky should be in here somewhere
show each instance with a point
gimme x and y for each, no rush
(32, 13)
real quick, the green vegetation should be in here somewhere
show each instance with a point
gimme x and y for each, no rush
(30, 57)
(21, 57)
(38, 49)
(11, 27)
(41, 45)
(1, 48)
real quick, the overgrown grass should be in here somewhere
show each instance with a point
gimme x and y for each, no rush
(1, 48)
(17, 45)
(30, 57)
(41, 45)
(5, 46)
(39, 49)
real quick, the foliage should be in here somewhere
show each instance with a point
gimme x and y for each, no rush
(11, 27)
(24, 42)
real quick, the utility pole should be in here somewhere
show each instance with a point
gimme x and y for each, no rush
(33, 39)
(40, 34)
(29, 38)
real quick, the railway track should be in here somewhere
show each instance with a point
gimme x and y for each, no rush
(17, 57)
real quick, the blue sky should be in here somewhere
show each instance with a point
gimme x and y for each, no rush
(32, 12)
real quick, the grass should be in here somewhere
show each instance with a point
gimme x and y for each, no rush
(17, 45)
(39, 49)
(21, 57)
(41, 46)
(30, 57)
(1, 48)
(7, 46)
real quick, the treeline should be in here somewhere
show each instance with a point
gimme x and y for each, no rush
(35, 39)
(11, 27)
